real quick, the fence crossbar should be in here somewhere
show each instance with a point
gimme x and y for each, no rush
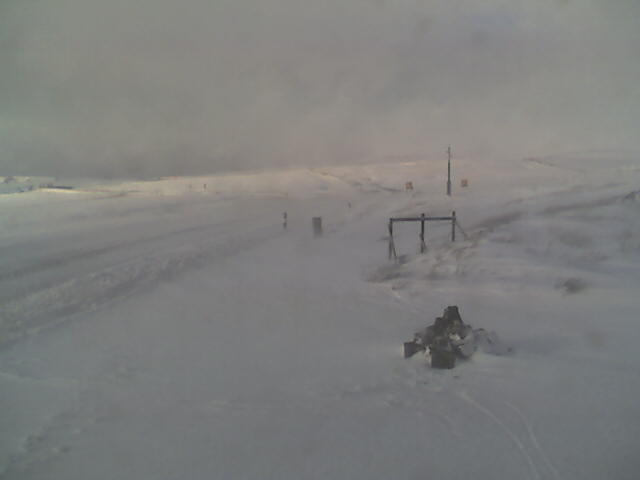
(419, 219)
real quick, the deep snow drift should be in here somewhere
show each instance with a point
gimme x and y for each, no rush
(173, 329)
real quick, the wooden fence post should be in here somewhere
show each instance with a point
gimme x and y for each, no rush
(453, 226)
(422, 244)
(392, 248)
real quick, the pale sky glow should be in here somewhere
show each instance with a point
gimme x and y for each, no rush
(156, 87)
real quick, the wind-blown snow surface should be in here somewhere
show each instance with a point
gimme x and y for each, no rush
(172, 329)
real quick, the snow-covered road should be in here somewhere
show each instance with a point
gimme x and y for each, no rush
(196, 339)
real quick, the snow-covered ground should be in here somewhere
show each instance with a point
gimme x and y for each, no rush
(173, 330)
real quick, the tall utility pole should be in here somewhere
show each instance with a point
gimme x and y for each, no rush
(449, 171)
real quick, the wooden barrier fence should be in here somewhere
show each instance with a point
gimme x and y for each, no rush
(422, 219)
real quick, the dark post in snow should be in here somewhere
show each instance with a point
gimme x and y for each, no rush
(392, 247)
(449, 171)
(317, 226)
(453, 226)
(422, 244)
(284, 220)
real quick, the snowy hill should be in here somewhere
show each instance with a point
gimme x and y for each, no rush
(12, 184)
(174, 329)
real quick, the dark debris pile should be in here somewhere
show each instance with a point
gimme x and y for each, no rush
(449, 338)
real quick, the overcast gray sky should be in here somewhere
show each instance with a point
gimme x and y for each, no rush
(160, 87)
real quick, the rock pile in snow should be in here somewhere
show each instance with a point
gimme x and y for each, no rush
(449, 338)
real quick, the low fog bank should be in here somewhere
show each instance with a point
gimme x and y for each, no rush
(154, 88)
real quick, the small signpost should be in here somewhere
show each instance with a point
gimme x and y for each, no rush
(317, 226)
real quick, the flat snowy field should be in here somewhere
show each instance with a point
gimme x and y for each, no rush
(172, 330)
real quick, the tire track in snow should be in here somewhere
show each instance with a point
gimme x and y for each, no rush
(510, 433)
(60, 300)
(64, 258)
(534, 440)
